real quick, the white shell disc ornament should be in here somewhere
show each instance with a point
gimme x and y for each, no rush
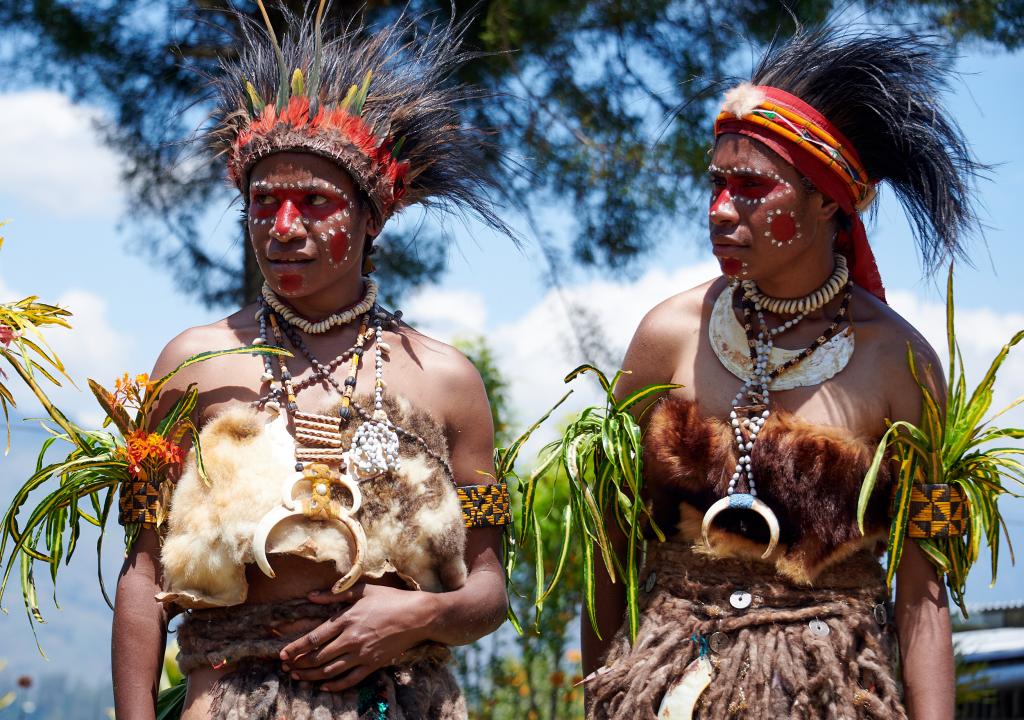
(681, 699)
(374, 449)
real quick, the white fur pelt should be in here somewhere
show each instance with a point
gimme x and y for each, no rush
(412, 518)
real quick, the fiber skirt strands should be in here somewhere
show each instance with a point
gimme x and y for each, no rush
(421, 687)
(809, 653)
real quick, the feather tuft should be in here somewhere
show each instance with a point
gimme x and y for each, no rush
(743, 99)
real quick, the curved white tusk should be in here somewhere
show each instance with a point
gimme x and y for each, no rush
(357, 494)
(259, 538)
(743, 501)
(288, 489)
(355, 530)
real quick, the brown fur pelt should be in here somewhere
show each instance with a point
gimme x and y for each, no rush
(412, 518)
(772, 666)
(809, 475)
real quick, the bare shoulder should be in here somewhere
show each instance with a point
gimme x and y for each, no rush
(886, 337)
(664, 334)
(230, 332)
(453, 388)
(671, 317)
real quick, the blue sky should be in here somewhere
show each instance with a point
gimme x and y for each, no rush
(59, 189)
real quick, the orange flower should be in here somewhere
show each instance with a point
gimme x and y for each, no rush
(573, 656)
(149, 453)
(557, 678)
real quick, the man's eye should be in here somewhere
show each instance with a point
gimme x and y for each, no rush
(263, 199)
(316, 200)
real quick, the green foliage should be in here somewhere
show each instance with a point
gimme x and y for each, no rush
(955, 444)
(599, 458)
(509, 676)
(609, 100)
(83, 485)
(30, 355)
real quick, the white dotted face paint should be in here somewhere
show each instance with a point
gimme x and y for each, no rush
(753, 188)
(314, 208)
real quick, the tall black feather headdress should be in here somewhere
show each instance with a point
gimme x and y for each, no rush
(382, 105)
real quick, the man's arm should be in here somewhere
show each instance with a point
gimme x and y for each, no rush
(650, 359)
(139, 631)
(922, 610)
(140, 622)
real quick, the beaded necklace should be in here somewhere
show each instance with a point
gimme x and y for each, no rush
(315, 430)
(752, 405)
(375, 446)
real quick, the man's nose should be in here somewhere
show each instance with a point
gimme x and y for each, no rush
(723, 209)
(287, 222)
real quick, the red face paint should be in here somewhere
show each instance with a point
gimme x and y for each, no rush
(287, 218)
(312, 203)
(290, 282)
(719, 197)
(731, 266)
(783, 227)
(339, 247)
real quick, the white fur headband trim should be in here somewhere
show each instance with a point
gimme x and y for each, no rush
(743, 99)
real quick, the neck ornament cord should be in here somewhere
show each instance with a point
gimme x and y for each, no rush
(752, 405)
(338, 319)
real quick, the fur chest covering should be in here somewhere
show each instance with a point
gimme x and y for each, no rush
(809, 475)
(412, 518)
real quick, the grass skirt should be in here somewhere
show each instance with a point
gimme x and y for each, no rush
(421, 687)
(769, 662)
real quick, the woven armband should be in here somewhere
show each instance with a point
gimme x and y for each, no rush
(139, 502)
(485, 505)
(936, 511)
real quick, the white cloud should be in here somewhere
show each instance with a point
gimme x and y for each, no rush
(53, 159)
(537, 350)
(93, 349)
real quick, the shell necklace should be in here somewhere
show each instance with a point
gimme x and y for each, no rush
(751, 406)
(731, 345)
(342, 317)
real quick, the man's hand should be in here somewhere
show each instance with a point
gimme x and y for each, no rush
(376, 625)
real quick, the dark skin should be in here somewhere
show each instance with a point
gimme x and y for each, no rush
(375, 621)
(671, 345)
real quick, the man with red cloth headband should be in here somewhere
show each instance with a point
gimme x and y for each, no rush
(767, 600)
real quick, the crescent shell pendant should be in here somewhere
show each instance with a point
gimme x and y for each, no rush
(743, 501)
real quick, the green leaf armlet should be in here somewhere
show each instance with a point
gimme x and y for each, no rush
(599, 460)
(950, 470)
(83, 485)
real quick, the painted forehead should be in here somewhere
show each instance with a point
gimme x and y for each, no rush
(312, 185)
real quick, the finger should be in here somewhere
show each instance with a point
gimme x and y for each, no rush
(320, 635)
(323, 655)
(326, 597)
(350, 680)
(328, 671)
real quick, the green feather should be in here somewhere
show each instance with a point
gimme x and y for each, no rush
(298, 84)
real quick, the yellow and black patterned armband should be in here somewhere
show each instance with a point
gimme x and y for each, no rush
(936, 511)
(485, 505)
(140, 503)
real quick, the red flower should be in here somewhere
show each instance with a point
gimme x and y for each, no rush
(7, 334)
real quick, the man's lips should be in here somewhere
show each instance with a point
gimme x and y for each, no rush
(289, 264)
(728, 249)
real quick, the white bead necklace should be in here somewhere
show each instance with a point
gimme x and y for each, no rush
(337, 319)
